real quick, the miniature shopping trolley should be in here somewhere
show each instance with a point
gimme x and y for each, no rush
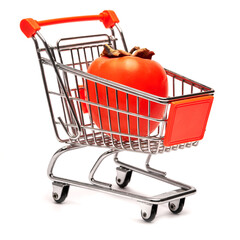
(66, 81)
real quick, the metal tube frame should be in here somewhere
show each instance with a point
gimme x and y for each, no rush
(79, 128)
(182, 191)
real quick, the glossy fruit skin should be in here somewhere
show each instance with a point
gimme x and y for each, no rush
(142, 74)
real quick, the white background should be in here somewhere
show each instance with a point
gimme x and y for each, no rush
(198, 39)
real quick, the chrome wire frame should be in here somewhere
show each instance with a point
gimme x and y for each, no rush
(68, 61)
(182, 191)
(66, 65)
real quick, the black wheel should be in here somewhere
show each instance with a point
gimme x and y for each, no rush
(63, 195)
(148, 217)
(124, 181)
(176, 206)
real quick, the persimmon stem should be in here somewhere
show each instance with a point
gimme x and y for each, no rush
(134, 49)
(135, 52)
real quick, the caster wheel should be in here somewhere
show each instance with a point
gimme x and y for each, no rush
(123, 176)
(60, 192)
(176, 206)
(149, 212)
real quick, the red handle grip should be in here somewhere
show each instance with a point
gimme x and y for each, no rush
(30, 26)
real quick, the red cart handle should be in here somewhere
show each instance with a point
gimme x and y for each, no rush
(30, 26)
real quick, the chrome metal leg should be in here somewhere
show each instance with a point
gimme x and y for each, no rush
(57, 155)
(150, 169)
(95, 167)
(102, 187)
(185, 190)
(175, 198)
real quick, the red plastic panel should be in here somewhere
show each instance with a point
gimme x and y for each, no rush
(187, 120)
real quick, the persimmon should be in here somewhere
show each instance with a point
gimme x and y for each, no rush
(135, 70)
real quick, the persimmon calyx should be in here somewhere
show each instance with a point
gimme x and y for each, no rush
(135, 52)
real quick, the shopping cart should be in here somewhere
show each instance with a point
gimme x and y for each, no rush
(66, 81)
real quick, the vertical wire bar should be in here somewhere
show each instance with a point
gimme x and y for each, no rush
(128, 119)
(109, 118)
(122, 37)
(82, 121)
(90, 111)
(98, 51)
(96, 89)
(127, 109)
(99, 113)
(79, 109)
(76, 81)
(80, 63)
(118, 118)
(80, 112)
(87, 90)
(80, 104)
(60, 89)
(148, 127)
(192, 88)
(76, 78)
(138, 125)
(149, 112)
(138, 130)
(114, 41)
(85, 55)
(63, 101)
(73, 63)
(114, 142)
(66, 111)
(182, 87)
(91, 48)
(65, 77)
(173, 78)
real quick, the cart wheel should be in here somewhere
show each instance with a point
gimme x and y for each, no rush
(60, 192)
(149, 212)
(123, 176)
(176, 206)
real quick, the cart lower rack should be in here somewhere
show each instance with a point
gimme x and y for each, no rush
(79, 121)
